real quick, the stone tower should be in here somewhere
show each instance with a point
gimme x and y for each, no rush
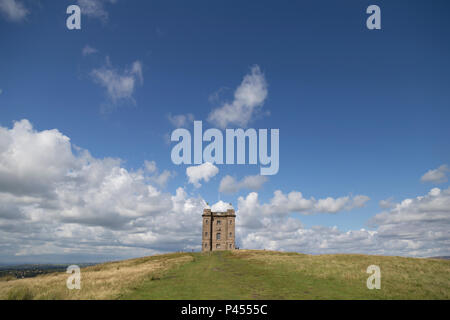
(218, 227)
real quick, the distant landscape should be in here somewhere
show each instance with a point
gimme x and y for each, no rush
(240, 274)
(32, 270)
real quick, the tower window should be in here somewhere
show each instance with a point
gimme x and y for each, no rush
(218, 221)
(231, 246)
(218, 246)
(231, 234)
(206, 245)
(206, 234)
(206, 221)
(218, 236)
(231, 221)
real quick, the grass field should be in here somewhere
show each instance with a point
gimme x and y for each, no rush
(244, 274)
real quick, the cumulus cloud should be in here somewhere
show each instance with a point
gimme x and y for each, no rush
(57, 198)
(215, 97)
(429, 209)
(95, 8)
(180, 120)
(413, 227)
(221, 206)
(204, 172)
(422, 224)
(31, 161)
(386, 203)
(248, 99)
(271, 226)
(119, 85)
(230, 185)
(282, 205)
(289, 234)
(436, 176)
(13, 10)
(160, 179)
(88, 50)
(150, 166)
(81, 188)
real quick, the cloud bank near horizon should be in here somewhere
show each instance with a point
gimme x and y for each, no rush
(57, 199)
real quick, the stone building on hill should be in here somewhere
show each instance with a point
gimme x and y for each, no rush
(218, 232)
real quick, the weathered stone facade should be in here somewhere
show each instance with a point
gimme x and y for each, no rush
(218, 230)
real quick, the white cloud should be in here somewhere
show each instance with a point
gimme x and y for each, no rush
(150, 166)
(248, 98)
(81, 188)
(32, 161)
(413, 227)
(229, 184)
(421, 223)
(282, 205)
(57, 198)
(120, 86)
(14, 10)
(437, 176)
(160, 179)
(288, 234)
(180, 120)
(215, 97)
(431, 208)
(88, 50)
(95, 8)
(204, 172)
(386, 203)
(221, 206)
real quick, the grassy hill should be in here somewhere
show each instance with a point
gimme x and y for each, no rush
(243, 274)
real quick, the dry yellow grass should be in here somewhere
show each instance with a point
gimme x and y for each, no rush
(103, 281)
(417, 278)
(244, 274)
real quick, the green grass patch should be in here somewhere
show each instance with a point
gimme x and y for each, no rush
(275, 275)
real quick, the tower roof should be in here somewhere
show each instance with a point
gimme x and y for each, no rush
(221, 207)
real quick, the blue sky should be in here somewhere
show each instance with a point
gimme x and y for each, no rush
(360, 112)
